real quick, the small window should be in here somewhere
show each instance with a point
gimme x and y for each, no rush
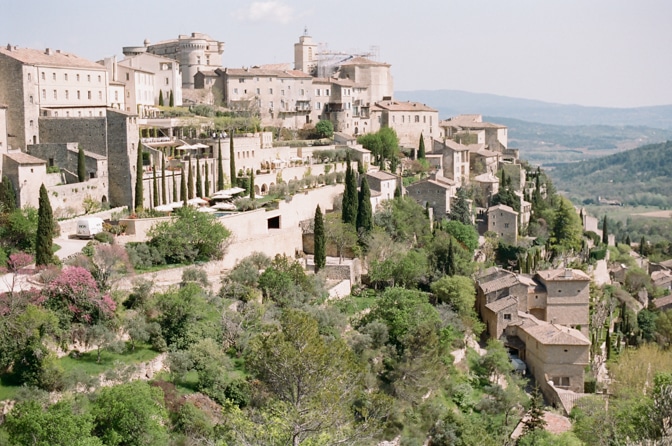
(99, 78)
(270, 91)
(44, 76)
(88, 78)
(65, 76)
(31, 99)
(55, 94)
(53, 76)
(44, 94)
(88, 94)
(29, 77)
(79, 94)
(258, 90)
(507, 316)
(78, 78)
(67, 94)
(128, 77)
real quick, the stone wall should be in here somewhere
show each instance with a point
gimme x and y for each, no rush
(70, 226)
(67, 199)
(90, 133)
(123, 142)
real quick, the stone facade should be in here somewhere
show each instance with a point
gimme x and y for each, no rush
(166, 73)
(36, 83)
(123, 142)
(410, 120)
(382, 182)
(4, 146)
(567, 297)
(27, 173)
(455, 160)
(503, 220)
(435, 193)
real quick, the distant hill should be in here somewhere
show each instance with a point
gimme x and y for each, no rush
(638, 177)
(452, 102)
(543, 144)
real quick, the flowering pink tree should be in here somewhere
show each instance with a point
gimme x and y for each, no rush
(76, 293)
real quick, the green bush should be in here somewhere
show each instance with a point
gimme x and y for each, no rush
(104, 237)
(598, 253)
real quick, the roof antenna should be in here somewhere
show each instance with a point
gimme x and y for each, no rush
(305, 30)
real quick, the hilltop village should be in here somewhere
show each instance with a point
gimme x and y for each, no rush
(438, 279)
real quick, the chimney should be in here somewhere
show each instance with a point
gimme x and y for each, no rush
(47, 51)
(9, 47)
(568, 273)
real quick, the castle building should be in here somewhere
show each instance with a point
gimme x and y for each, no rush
(194, 53)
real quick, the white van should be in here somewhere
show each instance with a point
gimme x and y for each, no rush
(88, 227)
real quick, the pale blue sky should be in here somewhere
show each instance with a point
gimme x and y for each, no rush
(589, 52)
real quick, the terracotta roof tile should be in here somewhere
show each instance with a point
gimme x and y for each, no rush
(55, 58)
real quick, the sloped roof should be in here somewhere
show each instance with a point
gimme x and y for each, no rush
(55, 58)
(256, 71)
(404, 106)
(382, 175)
(24, 158)
(550, 334)
(454, 145)
(567, 274)
(663, 302)
(502, 207)
(486, 178)
(499, 283)
(502, 304)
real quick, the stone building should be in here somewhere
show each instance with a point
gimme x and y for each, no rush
(495, 135)
(35, 84)
(410, 120)
(195, 52)
(4, 146)
(282, 97)
(27, 173)
(503, 220)
(455, 160)
(555, 355)
(434, 192)
(382, 182)
(166, 76)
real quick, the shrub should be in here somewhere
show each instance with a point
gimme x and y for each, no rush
(104, 237)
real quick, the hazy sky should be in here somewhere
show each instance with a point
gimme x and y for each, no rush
(589, 52)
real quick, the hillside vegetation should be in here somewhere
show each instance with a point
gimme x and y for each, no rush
(634, 177)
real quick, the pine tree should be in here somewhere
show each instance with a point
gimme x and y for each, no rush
(183, 187)
(7, 196)
(164, 198)
(220, 168)
(459, 209)
(232, 160)
(252, 184)
(349, 205)
(155, 187)
(421, 148)
(605, 231)
(207, 181)
(81, 165)
(45, 230)
(171, 100)
(535, 415)
(320, 240)
(364, 211)
(161, 98)
(199, 180)
(139, 192)
(190, 181)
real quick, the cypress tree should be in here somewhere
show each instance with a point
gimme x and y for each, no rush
(161, 98)
(252, 184)
(207, 181)
(183, 187)
(421, 148)
(164, 198)
(190, 181)
(171, 100)
(45, 230)
(155, 187)
(320, 240)
(232, 160)
(81, 165)
(349, 206)
(364, 211)
(199, 180)
(7, 196)
(139, 192)
(627, 240)
(220, 168)
(642, 246)
(605, 231)
(175, 197)
(450, 259)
